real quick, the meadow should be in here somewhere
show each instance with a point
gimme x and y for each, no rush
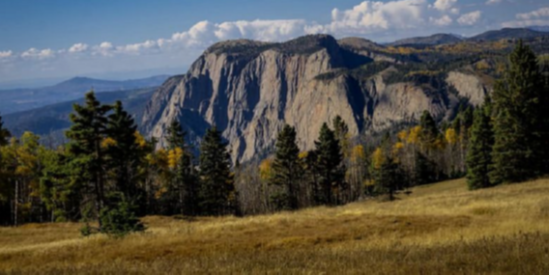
(438, 229)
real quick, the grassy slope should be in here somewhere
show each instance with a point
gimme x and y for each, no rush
(439, 229)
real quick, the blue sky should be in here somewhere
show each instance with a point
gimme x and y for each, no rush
(125, 38)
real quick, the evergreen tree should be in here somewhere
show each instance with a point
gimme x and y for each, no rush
(86, 134)
(388, 177)
(185, 181)
(216, 179)
(124, 153)
(4, 134)
(60, 194)
(429, 130)
(479, 156)
(341, 131)
(286, 166)
(519, 123)
(329, 164)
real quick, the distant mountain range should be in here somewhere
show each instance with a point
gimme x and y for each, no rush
(444, 38)
(53, 119)
(17, 100)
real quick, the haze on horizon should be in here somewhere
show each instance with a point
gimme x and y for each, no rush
(130, 38)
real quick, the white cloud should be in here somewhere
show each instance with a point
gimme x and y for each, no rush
(79, 47)
(38, 54)
(543, 12)
(470, 19)
(538, 17)
(445, 20)
(370, 16)
(444, 5)
(493, 2)
(5, 54)
(525, 23)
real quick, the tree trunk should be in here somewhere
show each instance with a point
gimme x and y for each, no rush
(16, 204)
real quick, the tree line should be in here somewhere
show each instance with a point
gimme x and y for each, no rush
(108, 175)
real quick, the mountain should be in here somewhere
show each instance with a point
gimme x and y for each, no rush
(249, 90)
(53, 119)
(26, 99)
(436, 39)
(539, 28)
(508, 33)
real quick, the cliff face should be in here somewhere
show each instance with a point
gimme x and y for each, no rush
(249, 90)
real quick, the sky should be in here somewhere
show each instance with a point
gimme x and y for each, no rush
(58, 39)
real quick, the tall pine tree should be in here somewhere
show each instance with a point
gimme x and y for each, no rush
(4, 134)
(519, 123)
(86, 134)
(286, 166)
(185, 180)
(329, 164)
(124, 154)
(216, 181)
(479, 156)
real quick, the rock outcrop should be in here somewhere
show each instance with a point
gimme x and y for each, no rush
(249, 90)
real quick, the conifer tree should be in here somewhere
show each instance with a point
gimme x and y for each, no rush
(4, 134)
(519, 123)
(286, 166)
(185, 181)
(429, 130)
(86, 134)
(216, 182)
(341, 131)
(329, 164)
(124, 154)
(479, 156)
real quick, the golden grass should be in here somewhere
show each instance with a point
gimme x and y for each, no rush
(438, 229)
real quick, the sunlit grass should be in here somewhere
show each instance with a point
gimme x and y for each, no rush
(438, 229)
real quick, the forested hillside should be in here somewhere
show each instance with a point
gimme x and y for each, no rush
(110, 173)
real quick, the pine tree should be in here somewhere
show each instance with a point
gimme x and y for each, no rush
(4, 134)
(286, 166)
(479, 156)
(329, 164)
(429, 130)
(519, 123)
(86, 134)
(216, 182)
(185, 181)
(124, 154)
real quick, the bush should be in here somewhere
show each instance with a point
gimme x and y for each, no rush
(119, 219)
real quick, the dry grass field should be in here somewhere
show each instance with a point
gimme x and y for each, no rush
(438, 229)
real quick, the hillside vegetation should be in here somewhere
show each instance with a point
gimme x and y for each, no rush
(437, 229)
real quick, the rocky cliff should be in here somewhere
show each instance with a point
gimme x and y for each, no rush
(249, 90)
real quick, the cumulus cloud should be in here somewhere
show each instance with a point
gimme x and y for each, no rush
(539, 17)
(444, 5)
(493, 2)
(470, 19)
(370, 16)
(5, 54)
(34, 53)
(79, 47)
(445, 20)
(543, 12)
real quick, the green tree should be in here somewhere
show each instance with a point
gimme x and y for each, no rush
(429, 130)
(287, 167)
(4, 134)
(329, 164)
(185, 182)
(86, 135)
(479, 156)
(519, 123)
(216, 181)
(60, 194)
(123, 153)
